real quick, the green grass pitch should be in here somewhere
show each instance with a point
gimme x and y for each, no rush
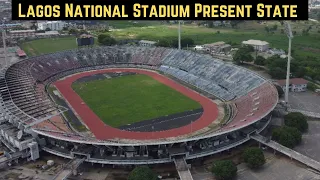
(133, 98)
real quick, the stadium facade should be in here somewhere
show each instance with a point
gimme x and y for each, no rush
(29, 122)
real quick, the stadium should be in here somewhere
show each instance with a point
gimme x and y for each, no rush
(203, 105)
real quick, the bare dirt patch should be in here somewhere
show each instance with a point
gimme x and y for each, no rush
(314, 50)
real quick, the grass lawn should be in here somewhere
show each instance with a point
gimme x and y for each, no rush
(303, 45)
(119, 24)
(133, 98)
(44, 46)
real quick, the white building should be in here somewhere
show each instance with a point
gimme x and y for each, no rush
(199, 48)
(257, 44)
(48, 34)
(52, 25)
(147, 43)
(295, 84)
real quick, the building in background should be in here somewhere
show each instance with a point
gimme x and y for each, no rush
(217, 47)
(147, 43)
(52, 25)
(21, 33)
(48, 34)
(295, 84)
(257, 44)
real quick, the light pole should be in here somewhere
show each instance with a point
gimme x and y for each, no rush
(290, 36)
(4, 46)
(179, 35)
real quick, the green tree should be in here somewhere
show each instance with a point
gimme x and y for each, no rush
(106, 39)
(277, 72)
(234, 23)
(73, 31)
(243, 55)
(260, 60)
(173, 42)
(280, 91)
(274, 27)
(267, 29)
(142, 173)
(311, 86)
(296, 120)
(82, 31)
(287, 136)
(164, 42)
(277, 67)
(224, 169)
(254, 157)
(186, 41)
(47, 29)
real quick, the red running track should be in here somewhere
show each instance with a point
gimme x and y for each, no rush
(104, 132)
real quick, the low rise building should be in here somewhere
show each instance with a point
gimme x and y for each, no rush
(52, 25)
(217, 47)
(257, 44)
(199, 48)
(21, 33)
(279, 52)
(295, 84)
(48, 34)
(147, 43)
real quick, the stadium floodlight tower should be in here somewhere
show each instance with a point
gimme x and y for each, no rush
(179, 35)
(290, 36)
(4, 45)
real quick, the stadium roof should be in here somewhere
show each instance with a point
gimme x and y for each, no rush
(282, 82)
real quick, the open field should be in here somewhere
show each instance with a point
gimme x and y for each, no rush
(304, 45)
(120, 24)
(128, 99)
(43, 46)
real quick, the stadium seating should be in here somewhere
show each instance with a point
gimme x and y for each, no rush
(23, 89)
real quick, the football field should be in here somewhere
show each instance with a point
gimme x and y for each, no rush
(133, 98)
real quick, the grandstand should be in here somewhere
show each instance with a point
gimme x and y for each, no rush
(31, 121)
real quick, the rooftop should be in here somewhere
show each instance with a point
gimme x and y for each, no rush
(219, 43)
(148, 42)
(49, 22)
(255, 42)
(282, 82)
(22, 31)
(48, 33)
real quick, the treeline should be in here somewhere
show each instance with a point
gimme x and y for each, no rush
(277, 66)
(315, 14)
(172, 42)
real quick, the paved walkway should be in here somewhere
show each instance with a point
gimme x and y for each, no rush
(287, 151)
(182, 168)
(306, 113)
(67, 170)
